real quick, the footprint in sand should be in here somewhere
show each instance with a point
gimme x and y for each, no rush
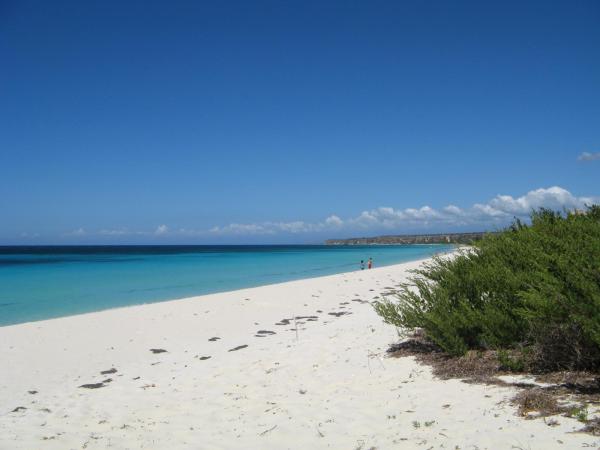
(338, 314)
(264, 333)
(239, 347)
(312, 318)
(92, 385)
(359, 300)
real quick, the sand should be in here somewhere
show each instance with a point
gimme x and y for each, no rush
(235, 371)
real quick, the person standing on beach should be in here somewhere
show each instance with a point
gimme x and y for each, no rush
(370, 263)
(362, 265)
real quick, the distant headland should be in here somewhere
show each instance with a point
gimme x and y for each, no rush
(442, 238)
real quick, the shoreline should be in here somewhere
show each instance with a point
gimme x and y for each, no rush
(299, 364)
(167, 300)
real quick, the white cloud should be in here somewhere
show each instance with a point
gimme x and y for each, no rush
(334, 221)
(161, 229)
(78, 232)
(554, 198)
(586, 156)
(496, 212)
(121, 232)
(451, 209)
(483, 211)
(240, 228)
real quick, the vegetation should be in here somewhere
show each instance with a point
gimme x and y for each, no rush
(531, 292)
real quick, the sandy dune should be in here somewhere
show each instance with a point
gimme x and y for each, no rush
(235, 374)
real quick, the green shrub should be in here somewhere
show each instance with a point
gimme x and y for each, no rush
(510, 362)
(579, 412)
(531, 286)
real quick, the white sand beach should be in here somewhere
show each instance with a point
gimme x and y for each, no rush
(327, 384)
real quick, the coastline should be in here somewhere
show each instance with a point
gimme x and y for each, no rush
(200, 297)
(269, 381)
(64, 282)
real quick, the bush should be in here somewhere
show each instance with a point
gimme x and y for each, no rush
(511, 362)
(534, 287)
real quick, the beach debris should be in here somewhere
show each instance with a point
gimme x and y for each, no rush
(239, 347)
(92, 385)
(413, 346)
(32, 392)
(19, 408)
(158, 350)
(266, 431)
(213, 339)
(340, 313)
(109, 371)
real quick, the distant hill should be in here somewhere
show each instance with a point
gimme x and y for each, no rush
(442, 238)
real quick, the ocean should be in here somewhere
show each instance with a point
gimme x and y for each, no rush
(45, 282)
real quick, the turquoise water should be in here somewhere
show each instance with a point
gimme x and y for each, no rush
(39, 283)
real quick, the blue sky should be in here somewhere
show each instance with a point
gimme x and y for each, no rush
(282, 121)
